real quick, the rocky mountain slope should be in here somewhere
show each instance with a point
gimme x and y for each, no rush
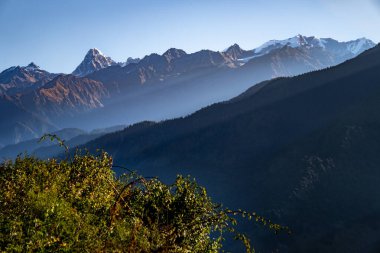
(63, 96)
(93, 61)
(21, 79)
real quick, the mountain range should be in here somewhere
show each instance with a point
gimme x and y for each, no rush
(102, 93)
(302, 151)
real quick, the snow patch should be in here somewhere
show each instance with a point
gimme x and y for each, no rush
(359, 45)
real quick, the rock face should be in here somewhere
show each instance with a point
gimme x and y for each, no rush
(64, 95)
(93, 61)
(235, 52)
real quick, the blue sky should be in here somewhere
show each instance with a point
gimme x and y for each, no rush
(57, 34)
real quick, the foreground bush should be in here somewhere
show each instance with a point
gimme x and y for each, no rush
(79, 205)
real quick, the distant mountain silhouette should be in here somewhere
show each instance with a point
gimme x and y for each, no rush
(18, 124)
(72, 137)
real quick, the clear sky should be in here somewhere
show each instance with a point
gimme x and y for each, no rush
(56, 34)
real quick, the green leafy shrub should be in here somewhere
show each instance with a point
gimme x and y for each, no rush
(79, 205)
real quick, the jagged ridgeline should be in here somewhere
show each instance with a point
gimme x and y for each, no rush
(101, 92)
(79, 205)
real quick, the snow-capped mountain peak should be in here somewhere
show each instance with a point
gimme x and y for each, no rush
(93, 61)
(294, 42)
(354, 47)
(340, 51)
(359, 45)
(95, 52)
